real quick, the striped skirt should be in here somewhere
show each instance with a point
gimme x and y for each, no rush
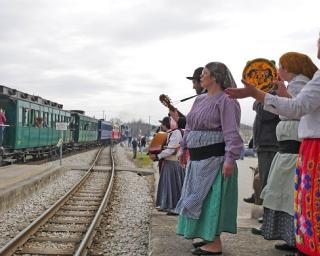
(170, 185)
(307, 198)
(218, 213)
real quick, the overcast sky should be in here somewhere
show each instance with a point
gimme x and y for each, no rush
(119, 56)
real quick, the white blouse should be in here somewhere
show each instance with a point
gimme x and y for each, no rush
(174, 137)
(306, 105)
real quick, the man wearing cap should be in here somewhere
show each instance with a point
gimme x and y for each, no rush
(196, 80)
(179, 118)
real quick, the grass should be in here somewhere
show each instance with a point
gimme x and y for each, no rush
(142, 160)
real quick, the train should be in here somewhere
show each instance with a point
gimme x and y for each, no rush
(31, 130)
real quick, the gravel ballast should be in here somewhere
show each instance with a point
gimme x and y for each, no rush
(13, 220)
(124, 229)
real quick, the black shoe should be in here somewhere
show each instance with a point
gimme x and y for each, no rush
(285, 247)
(256, 231)
(172, 213)
(249, 200)
(260, 220)
(199, 244)
(199, 251)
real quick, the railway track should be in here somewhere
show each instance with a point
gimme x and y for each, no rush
(68, 226)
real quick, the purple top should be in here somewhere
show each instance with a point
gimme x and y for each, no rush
(217, 113)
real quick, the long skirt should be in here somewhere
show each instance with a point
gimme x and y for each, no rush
(170, 185)
(307, 198)
(278, 225)
(218, 213)
(278, 199)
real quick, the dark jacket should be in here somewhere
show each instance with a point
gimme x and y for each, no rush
(264, 129)
(143, 142)
(134, 144)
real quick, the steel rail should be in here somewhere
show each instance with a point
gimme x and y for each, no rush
(25, 234)
(87, 239)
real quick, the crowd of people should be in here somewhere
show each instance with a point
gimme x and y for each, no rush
(198, 170)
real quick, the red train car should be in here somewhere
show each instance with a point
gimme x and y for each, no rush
(116, 132)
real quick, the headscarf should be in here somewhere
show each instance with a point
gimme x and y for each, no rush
(298, 63)
(222, 75)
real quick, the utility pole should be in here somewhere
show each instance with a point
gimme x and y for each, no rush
(149, 128)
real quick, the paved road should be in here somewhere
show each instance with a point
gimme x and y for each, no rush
(245, 185)
(165, 242)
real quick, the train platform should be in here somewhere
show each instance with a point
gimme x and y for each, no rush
(165, 242)
(19, 181)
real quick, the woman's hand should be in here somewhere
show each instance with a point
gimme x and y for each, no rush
(227, 169)
(281, 89)
(248, 91)
(183, 158)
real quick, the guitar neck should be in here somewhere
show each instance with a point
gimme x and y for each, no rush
(180, 114)
(166, 102)
(172, 108)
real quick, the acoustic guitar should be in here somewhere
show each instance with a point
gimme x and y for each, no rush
(158, 142)
(165, 100)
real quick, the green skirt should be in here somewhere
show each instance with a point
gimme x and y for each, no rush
(218, 213)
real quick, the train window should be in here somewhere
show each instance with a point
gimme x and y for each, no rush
(20, 115)
(31, 117)
(38, 120)
(49, 120)
(25, 117)
(45, 119)
(53, 120)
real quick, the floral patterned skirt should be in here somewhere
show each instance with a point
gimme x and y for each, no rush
(307, 198)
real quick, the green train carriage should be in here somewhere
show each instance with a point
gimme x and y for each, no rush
(31, 122)
(85, 128)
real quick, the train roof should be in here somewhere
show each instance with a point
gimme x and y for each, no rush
(105, 121)
(14, 93)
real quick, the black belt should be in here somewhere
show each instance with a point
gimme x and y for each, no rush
(289, 146)
(197, 154)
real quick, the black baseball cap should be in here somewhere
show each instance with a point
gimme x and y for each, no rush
(196, 74)
(165, 121)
